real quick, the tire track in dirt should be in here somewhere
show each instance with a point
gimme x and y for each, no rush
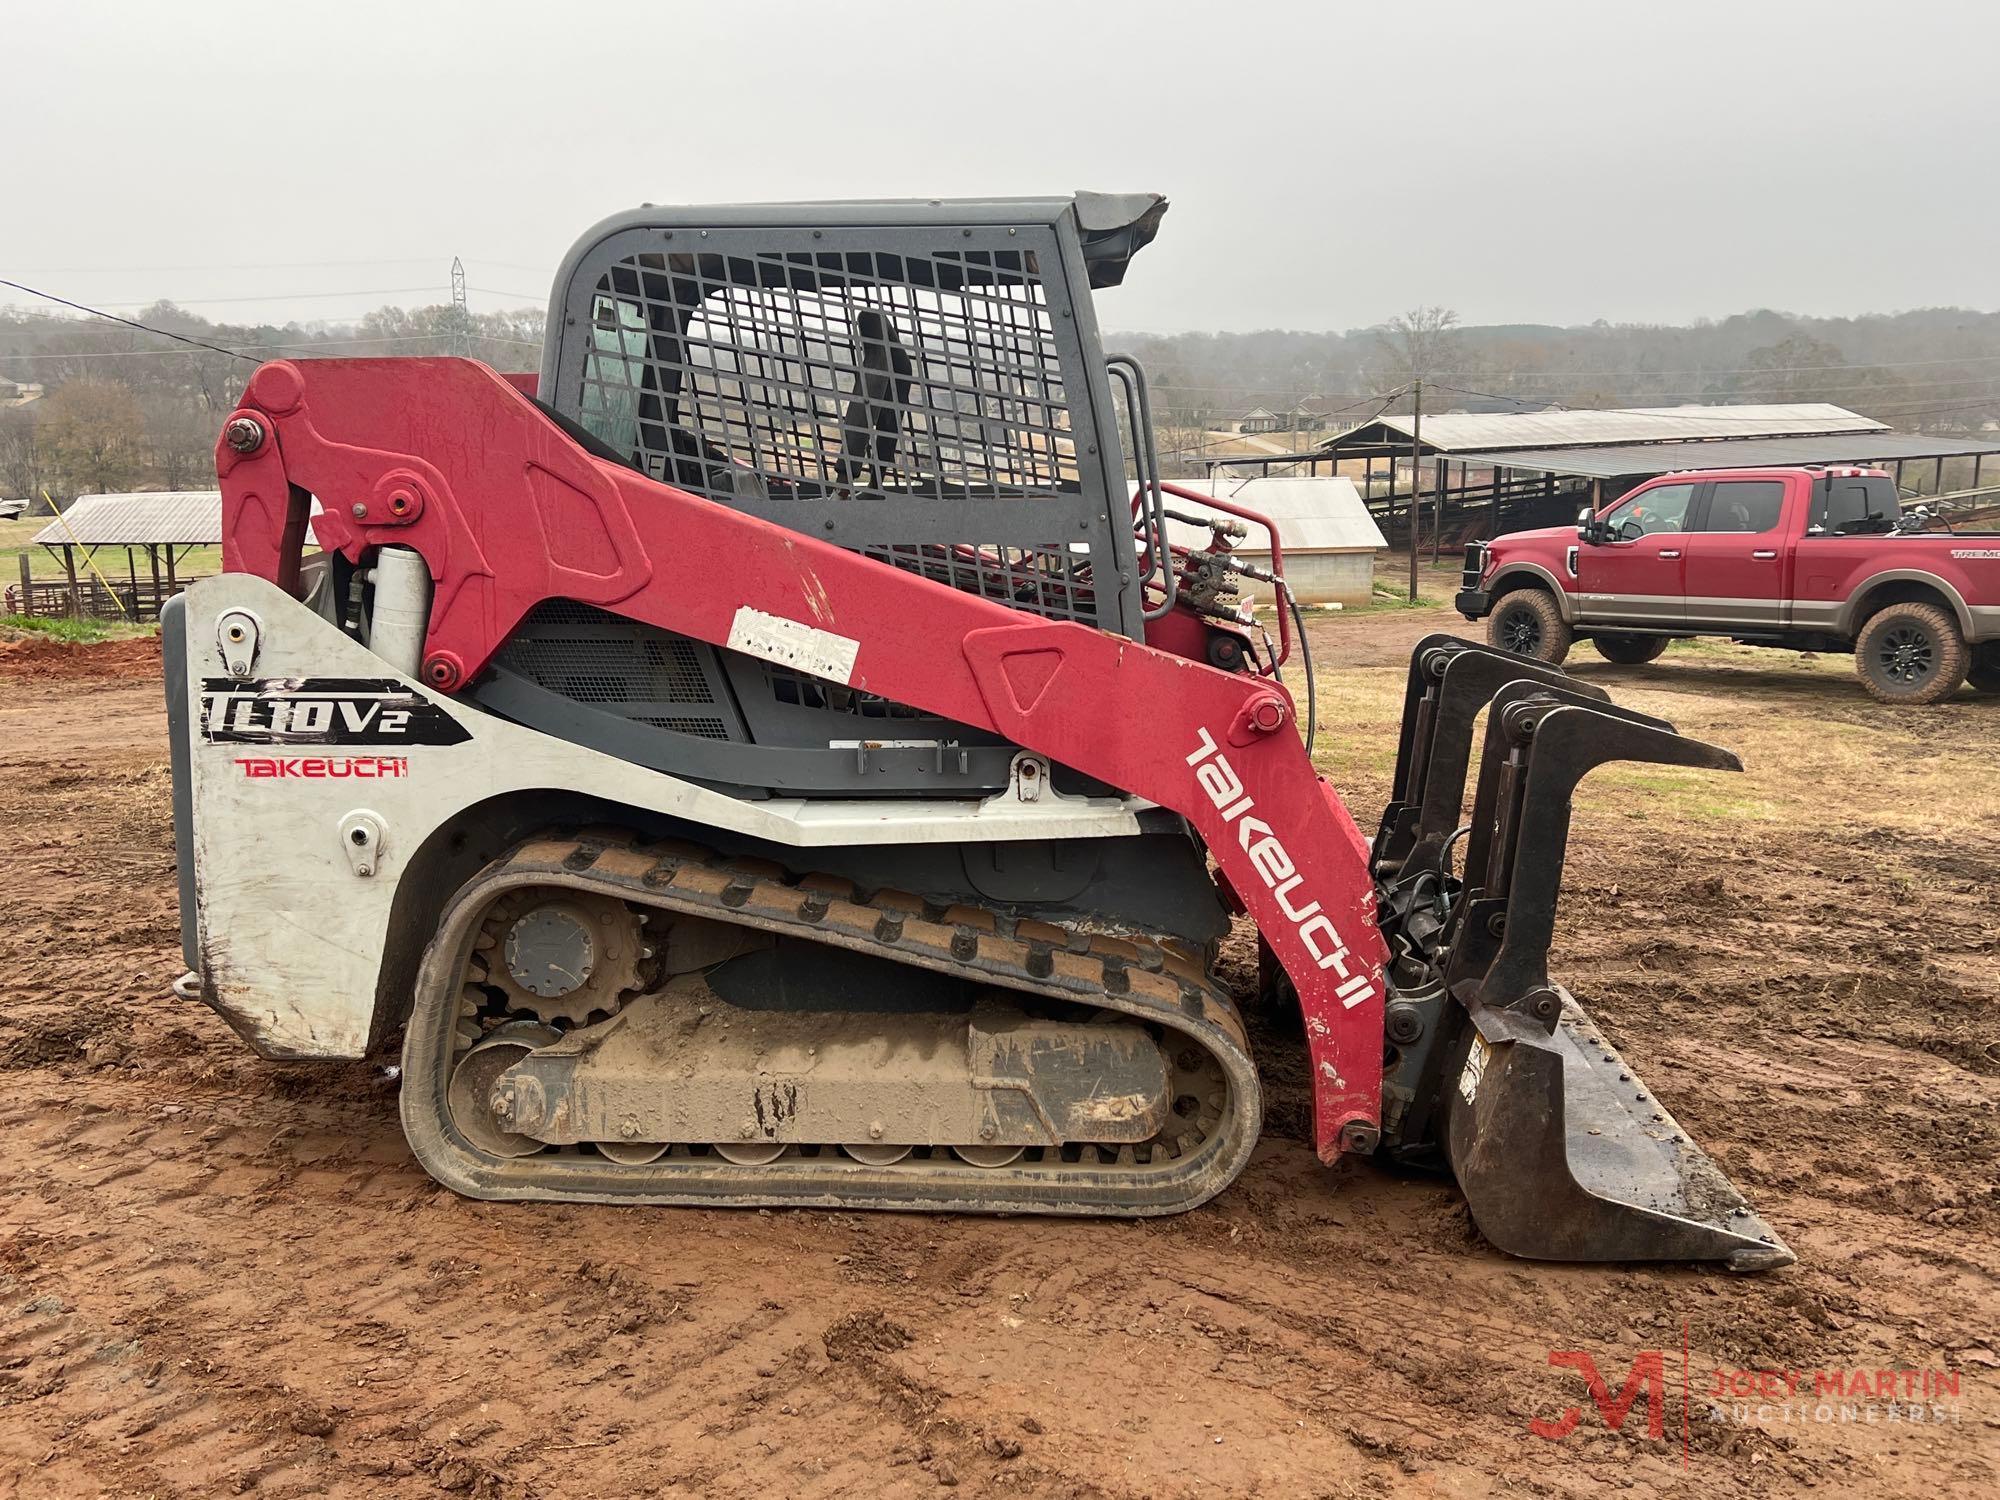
(325, 1321)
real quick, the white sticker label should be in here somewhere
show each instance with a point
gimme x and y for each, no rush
(1475, 1068)
(789, 643)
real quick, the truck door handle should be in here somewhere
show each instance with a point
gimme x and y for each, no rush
(1764, 552)
(1670, 552)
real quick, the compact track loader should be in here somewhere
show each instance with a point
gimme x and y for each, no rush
(777, 756)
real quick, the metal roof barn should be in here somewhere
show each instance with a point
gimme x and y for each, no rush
(1648, 459)
(1457, 432)
(178, 518)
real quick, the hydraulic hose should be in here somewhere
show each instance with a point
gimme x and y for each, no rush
(1305, 661)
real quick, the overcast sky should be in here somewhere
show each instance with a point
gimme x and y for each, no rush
(1329, 165)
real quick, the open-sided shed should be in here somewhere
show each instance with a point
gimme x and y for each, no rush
(163, 526)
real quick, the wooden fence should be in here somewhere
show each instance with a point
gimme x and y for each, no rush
(52, 598)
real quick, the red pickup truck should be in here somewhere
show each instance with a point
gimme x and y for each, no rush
(1808, 559)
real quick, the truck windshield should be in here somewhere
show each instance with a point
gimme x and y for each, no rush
(1844, 505)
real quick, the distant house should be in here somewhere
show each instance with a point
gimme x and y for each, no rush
(1308, 414)
(1330, 413)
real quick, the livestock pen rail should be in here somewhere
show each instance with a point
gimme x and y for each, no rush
(167, 530)
(137, 600)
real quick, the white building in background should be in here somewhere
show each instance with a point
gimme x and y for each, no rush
(1328, 537)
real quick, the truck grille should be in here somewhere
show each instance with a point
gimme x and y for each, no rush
(1475, 565)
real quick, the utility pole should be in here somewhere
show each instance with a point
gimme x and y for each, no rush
(1416, 475)
(463, 318)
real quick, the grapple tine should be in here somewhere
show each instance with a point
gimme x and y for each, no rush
(1413, 743)
(1540, 742)
(1561, 1152)
(1451, 680)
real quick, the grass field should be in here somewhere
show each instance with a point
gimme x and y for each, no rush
(74, 630)
(16, 541)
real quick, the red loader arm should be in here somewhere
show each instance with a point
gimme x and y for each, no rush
(447, 457)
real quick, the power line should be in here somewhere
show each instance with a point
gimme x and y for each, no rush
(1294, 376)
(407, 338)
(383, 291)
(185, 339)
(1277, 390)
(1814, 393)
(284, 265)
(1905, 364)
(113, 317)
(1215, 398)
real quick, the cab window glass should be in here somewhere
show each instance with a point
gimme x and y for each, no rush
(1745, 505)
(1662, 509)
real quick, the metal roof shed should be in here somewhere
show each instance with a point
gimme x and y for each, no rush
(165, 525)
(1457, 433)
(1644, 460)
(1330, 540)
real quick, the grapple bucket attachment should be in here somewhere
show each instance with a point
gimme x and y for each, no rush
(1563, 1154)
(1561, 1151)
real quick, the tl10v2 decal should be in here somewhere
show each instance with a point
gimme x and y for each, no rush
(322, 711)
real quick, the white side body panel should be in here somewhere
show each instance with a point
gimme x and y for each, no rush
(291, 931)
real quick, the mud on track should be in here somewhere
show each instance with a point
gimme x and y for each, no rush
(220, 1275)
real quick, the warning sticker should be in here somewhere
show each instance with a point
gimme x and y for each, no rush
(789, 643)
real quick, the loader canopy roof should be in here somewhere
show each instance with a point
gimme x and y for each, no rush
(1112, 227)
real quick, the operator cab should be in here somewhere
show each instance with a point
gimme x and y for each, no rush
(920, 382)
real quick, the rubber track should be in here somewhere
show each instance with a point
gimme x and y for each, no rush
(980, 943)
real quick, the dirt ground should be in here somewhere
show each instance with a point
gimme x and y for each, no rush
(220, 1275)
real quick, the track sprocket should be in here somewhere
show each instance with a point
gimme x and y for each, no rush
(562, 958)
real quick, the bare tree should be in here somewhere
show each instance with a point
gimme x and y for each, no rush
(180, 438)
(1797, 368)
(1422, 344)
(1179, 437)
(95, 436)
(21, 459)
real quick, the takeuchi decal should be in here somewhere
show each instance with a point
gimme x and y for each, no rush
(345, 711)
(323, 767)
(1274, 864)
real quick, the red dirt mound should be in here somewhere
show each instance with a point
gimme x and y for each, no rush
(38, 656)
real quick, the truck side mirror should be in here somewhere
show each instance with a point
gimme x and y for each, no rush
(1589, 528)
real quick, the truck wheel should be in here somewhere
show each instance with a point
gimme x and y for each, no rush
(1629, 650)
(1911, 653)
(1984, 674)
(1528, 622)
